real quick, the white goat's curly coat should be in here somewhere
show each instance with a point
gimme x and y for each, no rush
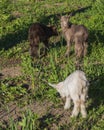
(74, 87)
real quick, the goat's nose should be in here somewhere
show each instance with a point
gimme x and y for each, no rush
(57, 94)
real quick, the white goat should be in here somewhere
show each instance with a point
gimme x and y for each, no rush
(74, 87)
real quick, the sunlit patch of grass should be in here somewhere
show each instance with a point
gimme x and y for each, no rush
(54, 67)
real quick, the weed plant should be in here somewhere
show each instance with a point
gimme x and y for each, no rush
(16, 18)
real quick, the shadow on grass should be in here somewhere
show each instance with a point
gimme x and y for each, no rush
(95, 36)
(47, 120)
(14, 38)
(11, 39)
(96, 91)
(58, 15)
(58, 44)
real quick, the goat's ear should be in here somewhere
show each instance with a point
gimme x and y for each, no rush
(53, 27)
(52, 85)
(59, 85)
(58, 16)
(70, 15)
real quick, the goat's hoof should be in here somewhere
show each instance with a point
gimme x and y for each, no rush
(84, 115)
(67, 54)
(72, 116)
(66, 107)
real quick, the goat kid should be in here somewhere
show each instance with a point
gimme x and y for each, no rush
(75, 88)
(77, 34)
(40, 33)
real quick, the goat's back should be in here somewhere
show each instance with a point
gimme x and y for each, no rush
(79, 30)
(42, 31)
(38, 30)
(75, 82)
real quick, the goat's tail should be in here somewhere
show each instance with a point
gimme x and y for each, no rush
(85, 84)
(84, 80)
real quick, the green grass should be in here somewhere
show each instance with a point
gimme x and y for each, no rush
(15, 19)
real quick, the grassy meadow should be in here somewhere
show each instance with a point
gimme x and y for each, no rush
(27, 102)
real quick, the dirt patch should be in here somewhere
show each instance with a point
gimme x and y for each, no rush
(10, 72)
(16, 14)
(12, 110)
(46, 111)
(9, 62)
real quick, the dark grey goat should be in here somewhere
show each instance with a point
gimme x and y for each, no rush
(77, 34)
(40, 33)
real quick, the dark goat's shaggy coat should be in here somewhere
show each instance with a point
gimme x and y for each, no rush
(40, 33)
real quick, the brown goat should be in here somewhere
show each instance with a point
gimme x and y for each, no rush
(77, 34)
(40, 33)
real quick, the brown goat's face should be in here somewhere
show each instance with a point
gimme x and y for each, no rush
(64, 21)
(33, 50)
(54, 30)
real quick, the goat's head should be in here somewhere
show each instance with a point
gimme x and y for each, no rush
(53, 30)
(64, 21)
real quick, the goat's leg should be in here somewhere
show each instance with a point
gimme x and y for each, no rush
(83, 109)
(34, 46)
(68, 48)
(78, 53)
(34, 50)
(46, 46)
(67, 103)
(85, 48)
(82, 103)
(79, 47)
(78, 50)
(76, 109)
